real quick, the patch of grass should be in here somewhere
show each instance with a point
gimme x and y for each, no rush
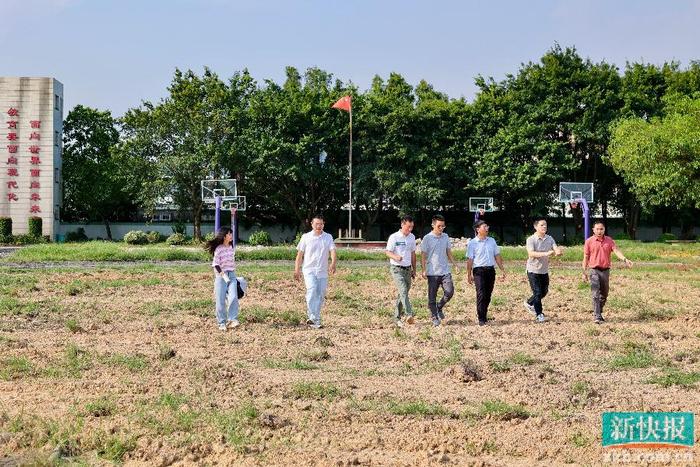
(73, 326)
(237, 426)
(133, 363)
(317, 391)
(102, 407)
(75, 360)
(77, 287)
(454, 352)
(197, 307)
(592, 331)
(113, 447)
(634, 355)
(289, 318)
(516, 358)
(579, 440)
(653, 314)
(521, 358)
(500, 410)
(417, 408)
(500, 367)
(13, 306)
(676, 377)
(425, 334)
(257, 314)
(295, 364)
(16, 368)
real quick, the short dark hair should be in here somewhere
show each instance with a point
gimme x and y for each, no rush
(406, 218)
(479, 223)
(598, 222)
(318, 216)
(537, 220)
(437, 217)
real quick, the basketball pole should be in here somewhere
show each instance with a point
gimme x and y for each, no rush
(586, 218)
(217, 218)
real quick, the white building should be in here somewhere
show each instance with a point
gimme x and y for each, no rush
(31, 129)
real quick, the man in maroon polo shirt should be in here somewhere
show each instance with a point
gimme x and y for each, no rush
(596, 255)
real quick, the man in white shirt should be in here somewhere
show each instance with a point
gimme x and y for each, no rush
(401, 250)
(313, 250)
(436, 257)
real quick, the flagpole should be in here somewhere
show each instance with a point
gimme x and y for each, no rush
(350, 177)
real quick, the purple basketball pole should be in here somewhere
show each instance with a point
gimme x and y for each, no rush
(217, 218)
(587, 231)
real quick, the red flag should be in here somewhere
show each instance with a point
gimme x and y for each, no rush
(344, 103)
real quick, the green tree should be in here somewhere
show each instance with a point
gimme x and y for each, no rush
(660, 157)
(289, 127)
(184, 138)
(93, 176)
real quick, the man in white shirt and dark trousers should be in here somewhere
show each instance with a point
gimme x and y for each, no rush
(436, 251)
(540, 247)
(401, 250)
(314, 249)
(482, 256)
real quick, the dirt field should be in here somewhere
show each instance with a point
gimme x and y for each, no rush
(126, 365)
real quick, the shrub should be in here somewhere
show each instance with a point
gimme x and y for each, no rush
(260, 237)
(665, 237)
(35, 226)
(179, 227)
(176, 239)
(136, 237)
(209, 237)
(154, 237)
(27, 239)
(77, 236)
(622, 236)
(297, 238)
(5, 229)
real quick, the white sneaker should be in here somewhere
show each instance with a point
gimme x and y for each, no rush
(398, 323)
(222, 327)
(530, 308)
(234, 323)
(316, 326)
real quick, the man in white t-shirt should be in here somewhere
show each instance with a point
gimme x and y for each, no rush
(401, 250)
(436, 257)
(314, 249)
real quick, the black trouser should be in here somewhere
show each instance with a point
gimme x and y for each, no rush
(539, 283)
(484, 280)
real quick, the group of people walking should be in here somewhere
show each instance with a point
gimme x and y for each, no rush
(316, 248)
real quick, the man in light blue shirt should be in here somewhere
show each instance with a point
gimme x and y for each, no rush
(482, 256)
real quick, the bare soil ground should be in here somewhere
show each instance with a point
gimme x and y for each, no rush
(126, 365)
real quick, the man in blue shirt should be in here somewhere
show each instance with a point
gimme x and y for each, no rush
(482, 256)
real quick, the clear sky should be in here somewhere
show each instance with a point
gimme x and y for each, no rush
(112, 54)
